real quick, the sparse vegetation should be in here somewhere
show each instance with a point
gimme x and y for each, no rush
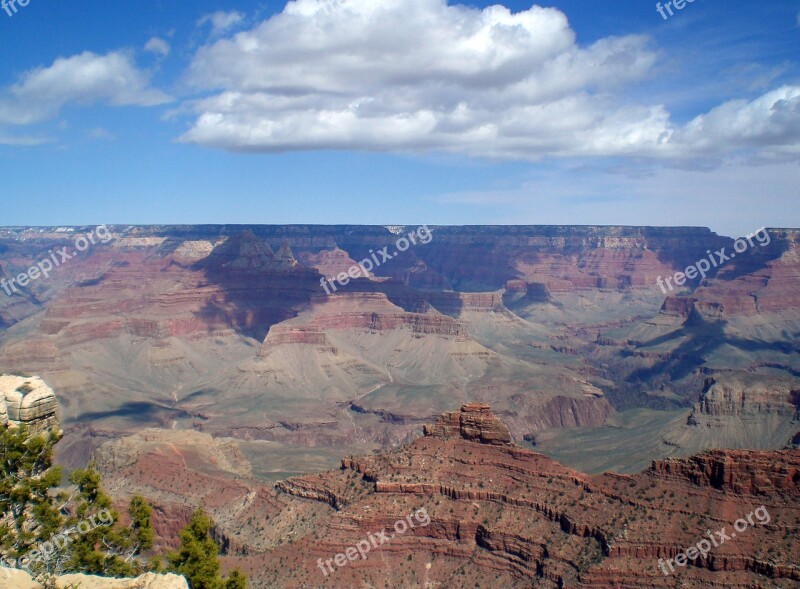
(34, 513)
(196, 558)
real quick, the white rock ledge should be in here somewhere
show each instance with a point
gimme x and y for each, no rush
(15, 579)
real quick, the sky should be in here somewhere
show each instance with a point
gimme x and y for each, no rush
(590, 112)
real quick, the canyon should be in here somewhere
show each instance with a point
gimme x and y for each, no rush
(227, 330)
(563, 421)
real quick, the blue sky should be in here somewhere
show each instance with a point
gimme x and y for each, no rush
(401, 112)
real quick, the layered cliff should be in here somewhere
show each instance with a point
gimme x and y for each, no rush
(475, 422)
(502, 515)
(760, 279)
(741, 410)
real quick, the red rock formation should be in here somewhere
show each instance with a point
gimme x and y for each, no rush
(374, 312)
(475, 422)
(502, 515)
(676, 306)
(743, 472)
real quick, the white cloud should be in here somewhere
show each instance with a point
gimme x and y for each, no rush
(221, 21)
(83, 79)
(770, 124)
(158, 46)
(23, 140)
(424, 75)
(101, 134)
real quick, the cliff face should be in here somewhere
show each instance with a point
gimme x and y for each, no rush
(741, 472)
(760, 280)
(743, 397)
(742, 411)
(495, 514)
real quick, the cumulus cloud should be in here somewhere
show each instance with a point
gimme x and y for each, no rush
(770, 125)
(83, 79)
(157, 46)
(221, 21)
(424, 75)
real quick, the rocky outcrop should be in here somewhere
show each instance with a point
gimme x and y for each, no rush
(243, 252)
(374, 312)
(284, 259)
(311, 488)
(331, 263)
(27, 401)
(675, 306)
(455, 303)
(732, 397)
(474, 422)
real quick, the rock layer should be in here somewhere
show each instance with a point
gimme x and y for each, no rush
(475, 422)
(27, 401)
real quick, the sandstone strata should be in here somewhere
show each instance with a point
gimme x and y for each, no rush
(475, 422)
(27, 401)
(741, 410)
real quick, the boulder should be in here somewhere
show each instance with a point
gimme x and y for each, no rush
(27, 401)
